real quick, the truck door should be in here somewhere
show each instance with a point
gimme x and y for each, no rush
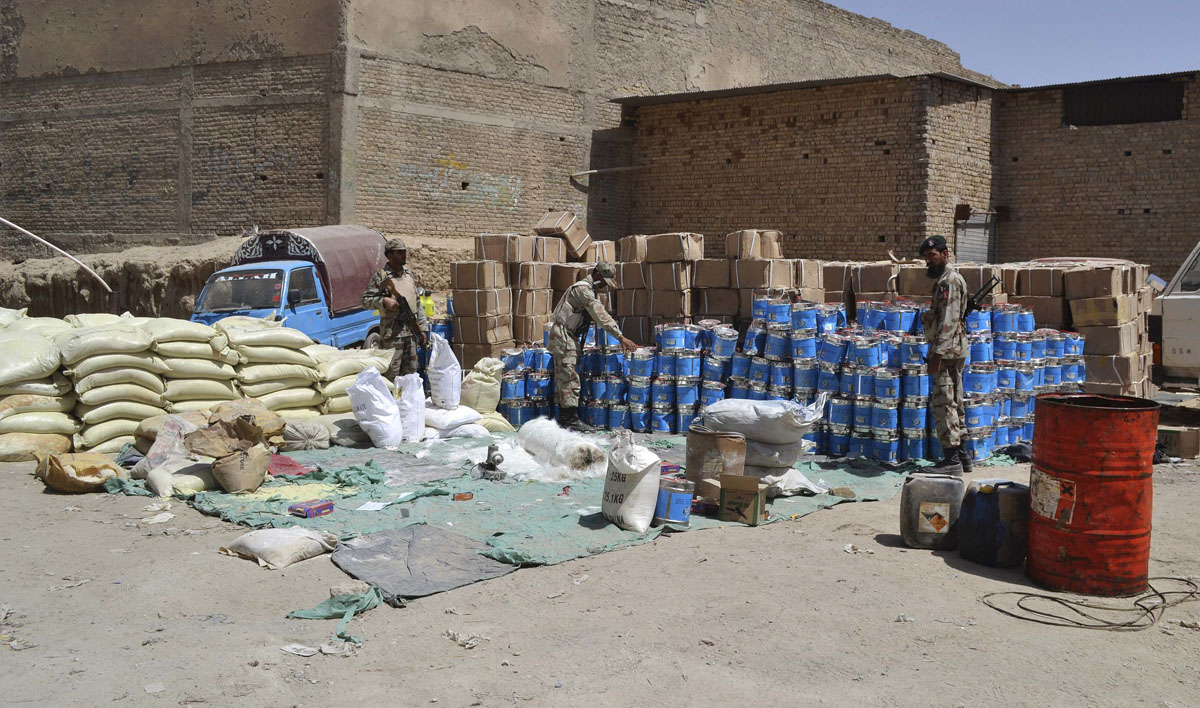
(304, 307)
(1181, 320)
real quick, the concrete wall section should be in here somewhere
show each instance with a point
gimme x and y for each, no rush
(1125, 191)
(959, 142)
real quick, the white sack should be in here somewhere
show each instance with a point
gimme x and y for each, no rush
(774, 422)
(257, 373)
(48, 327)
(254, 390)
(305, 435)
(292, 398)
(198, 369)
(274, 355)
(445, 375)
(279, 548)
(168, 451)
(170, 329)
(563, 455)
(197, 350)
(79, 344)
(410, 400)
(201, 390)
(265, 337)
(449, 419)
(26, 357)
(128, 393)
(144, 361)
(376, 411)
(55, 385)
(759, 454)
(631, 487)
(481, 387)
(46, 423)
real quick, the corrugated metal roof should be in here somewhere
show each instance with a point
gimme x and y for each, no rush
(1115, 80)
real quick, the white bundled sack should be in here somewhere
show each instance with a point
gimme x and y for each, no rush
(303, 435)
(563, 455)
(55, 385)
(48, 327)
(279, 548)
(79, 344)
(631, 487)
(170, 329)
(760, 454)
(26, 357)
(197, 350)
(481, 387)
(285, 337)
(410, 400)
(445, 375)
(375, 410)
(8, 316)
(274, 355)
(441, 419)
(95, 319)
(144, 361)
(774, 422)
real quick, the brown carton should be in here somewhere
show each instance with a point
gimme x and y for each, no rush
(812, 294)
(632, 249)
(668, 276)
(1104, 311)
(1047, 311)
(912, 280)
(534, 276)
(874, 277)
(531, 329)
(670, 303)
(482, 303)
(638, 329)
(1009, 274)
(1120, 339)
(746, 302)
(809, 273)
(753, 244)
(718, 302)
(469, 354)
(534, 302)
(483, 330)
(509, 248)
(976, 275)
(1042, 281)
(743, 499)
(664, 248)
(1099, 281)
(712, 273)
(1119, 369)
(564, 275)
(1179, 441)
(569, 228)
(761, 274)
(478, 275)
(604, 252)
(549, 249)
(1145, 298)
(836, 275)
(630, 277)
(632, 303)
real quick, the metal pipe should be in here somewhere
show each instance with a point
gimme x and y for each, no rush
(58, 250)
(605, 170)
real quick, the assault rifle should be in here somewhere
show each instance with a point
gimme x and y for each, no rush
(973, 301)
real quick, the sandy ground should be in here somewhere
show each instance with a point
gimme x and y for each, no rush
(779, 615)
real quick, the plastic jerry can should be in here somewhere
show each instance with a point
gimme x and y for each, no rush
(993, 524)
(929, 510)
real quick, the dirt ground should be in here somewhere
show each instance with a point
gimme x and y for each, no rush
(111, 610)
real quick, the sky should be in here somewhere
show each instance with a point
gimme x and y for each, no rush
(1053, 41)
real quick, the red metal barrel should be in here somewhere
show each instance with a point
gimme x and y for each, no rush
(1091, 493)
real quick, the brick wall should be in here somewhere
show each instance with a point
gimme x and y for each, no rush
(1122, 191)
(959, 145)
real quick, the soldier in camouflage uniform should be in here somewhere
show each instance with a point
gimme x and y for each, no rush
(946, 331)
(396, 316)
(575, 312)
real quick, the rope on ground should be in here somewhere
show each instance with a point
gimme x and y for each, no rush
(1147, 609)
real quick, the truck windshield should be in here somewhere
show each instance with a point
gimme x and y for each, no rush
(242, 290)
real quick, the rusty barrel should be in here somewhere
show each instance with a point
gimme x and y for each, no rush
(1091, 493)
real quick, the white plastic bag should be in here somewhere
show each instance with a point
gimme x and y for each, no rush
(445, 375)
(279, 548)
(449, 419)
(469, 430)
(376, 411)
(775, 422)
(631, 487)
(410, 398)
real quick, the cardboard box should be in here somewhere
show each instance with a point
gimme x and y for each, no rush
(483, 330)
(1047, 311)
(976, 275)
(564, 275)
(1142, 388)
(1009, 275)
(753, 244)
(549, 249)
(483, 303)
(602, 252)
(707, 487)
(1099, 281)
(469, 354)
(478, 275)
(874, 277)
(1042, 281)
(632, 249)
(1120, 339)
(508, 248)
(638, 329)
(912, 280)
(664, 248)
(670, 303)
(534, 302)
(569, 228)
(1119, 369)
(761, 274)
(808, 273)
(1179, 441)
(630, 277)
(1104, 311)
(836, 276)
(711, 273)
(668, 276)
(718, 302)
(1145, 298)
(743, 499)
(632, 303)
(811, 294)
(534, 276)
(530, 329)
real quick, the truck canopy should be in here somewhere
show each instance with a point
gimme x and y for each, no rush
(346, 257)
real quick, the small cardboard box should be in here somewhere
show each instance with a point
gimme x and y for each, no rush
(483, 303)
(508, 248)
(478, 275)
(664, 248)
(761, 274)
(632, 249)
(743, 499)
(912, 280)
(718, 301)
(534, 302)
(1047, 311)
(1104, 311)
(568, 227)
(630, 277)
(1092, 281)
(534, 276)
(1118, 369)
(638, 329)
(530, 329)
(712, 273)
(753, 244)
(670, 303)
(808, 273)
(708, 488)
(1120, 339)
(631, 303)
(549, 249)
(668, 276)
(874, 277)
(603, 252)
(1042, 281)
(1179, 441)
(564, 275)
(483, 330)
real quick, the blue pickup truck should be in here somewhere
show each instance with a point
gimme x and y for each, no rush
(311, 278)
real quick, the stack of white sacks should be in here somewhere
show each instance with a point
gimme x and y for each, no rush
(338, 369)
(274, 367)
(200, 365)
(36, 400)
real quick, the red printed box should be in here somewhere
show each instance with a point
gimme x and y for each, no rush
(311, 508)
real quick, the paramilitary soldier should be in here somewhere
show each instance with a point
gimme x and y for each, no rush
(393, 291)
(576, 311)
(946, 332)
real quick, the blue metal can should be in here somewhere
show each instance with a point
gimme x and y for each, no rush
(760, 370)
(805, 373)
(739, 366)
(687, 365)
(739, 387)
(662, 391)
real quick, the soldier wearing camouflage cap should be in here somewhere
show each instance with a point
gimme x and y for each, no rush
(393, 292)
(946, 331)
(575, 312)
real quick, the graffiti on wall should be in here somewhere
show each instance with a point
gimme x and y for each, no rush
(451, 182)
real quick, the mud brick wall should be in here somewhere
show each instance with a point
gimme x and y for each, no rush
(1120, 191)
(959, 145)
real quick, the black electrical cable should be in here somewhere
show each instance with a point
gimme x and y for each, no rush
(1148, 607)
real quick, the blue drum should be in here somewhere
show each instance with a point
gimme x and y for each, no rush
(662, 391)
(715, 369)
(1026, 378)
(1037, 346)
(758, 392)
(918, 324)
(514, 359)
(724, 342)
(804, 316)
(914, 448)
(760, 370)
(978, 447)
(1004, 348)
(885, 417)
(804, 396)
(664, 364)
(1019, 406)
(1006, 376)
(1039, 375)
(539, 359)
(1004, 406)
(1004, 319)
(596, 415)
(663, 420)
(598, 385)
(1016, 430)
(1070, 371)
(779, 393)
(848, 380)
(1027, 429)
(1000, 434)
(758, 307)
(841, 411)
(829, 319)
(639, 419)
(755, 343)
(615, 363)
(914, 418)
(711, 392)
(740, 366)
(537, 385)
(1025, 322)
(642, 363)
(687, 365)
(839, 441)
(512, 386)
(684, 419)
(1055, 343)
(979, 321)
(913, 350)
(639, 391)
(778, 343)
(887, 384)
(779, 312)
(804, 373)
(739, 387)
(981, 348)
(864, 382)
(706, 333)
(865, 351)
(671, 337)
(832, 349)
(889, 348)
(804, 344)
(615, 389)
(618, 417)
(687, 391)
(520, 413)
(1072, 344)
(976, 414)
(780, 375)
(886, 449)
(1023, 352)
(979, 379)
(860, 443)
(828, 379)
(591, 361)
(864, 413)
(915, 382)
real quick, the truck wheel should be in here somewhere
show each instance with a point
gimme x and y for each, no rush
(372, 341)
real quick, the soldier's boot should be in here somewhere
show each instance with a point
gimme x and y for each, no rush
(569, 419)
(950, 464)
(964, 457)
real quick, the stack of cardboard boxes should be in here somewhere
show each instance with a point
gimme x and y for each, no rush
(753, 261)
(1109, 305)
(655, 276)
(483, 306)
